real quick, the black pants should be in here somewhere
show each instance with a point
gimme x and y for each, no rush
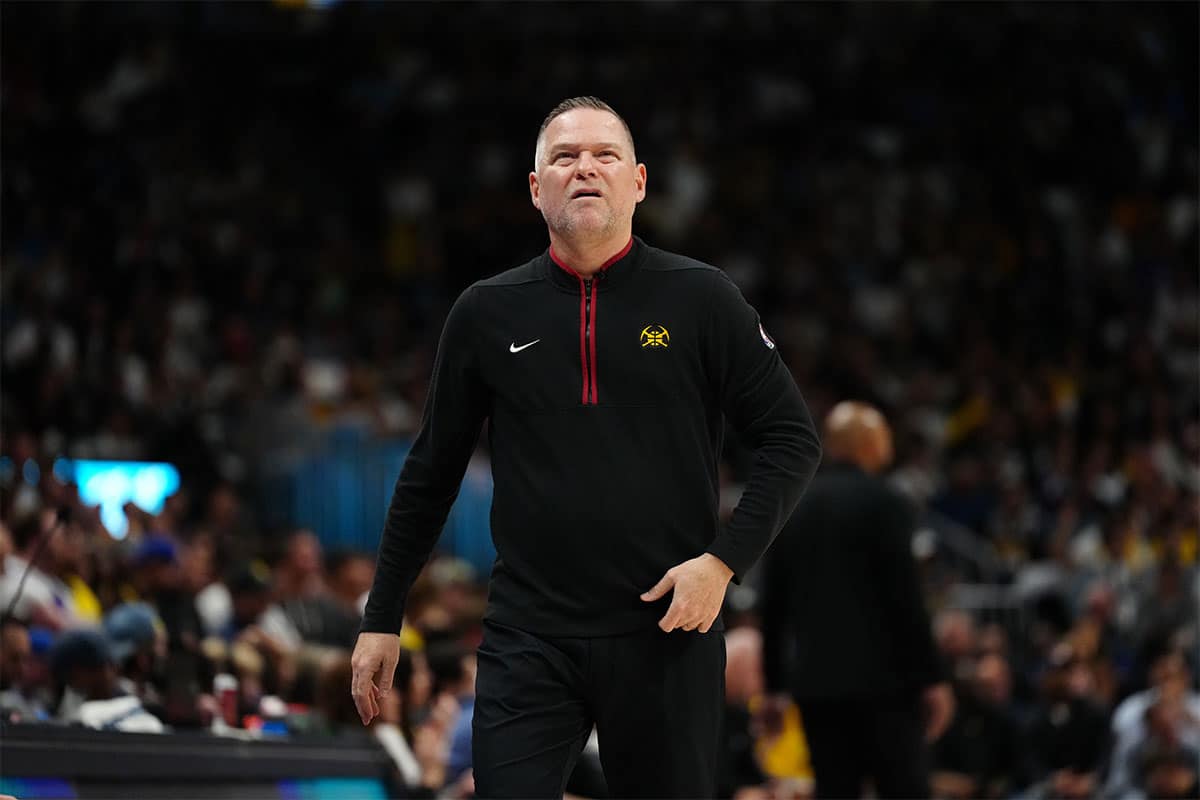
(880, 739)
(655, 698)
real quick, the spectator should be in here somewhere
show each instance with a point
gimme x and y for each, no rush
(1169, 596)
(83, 666)
(420, 761)
(1166, 763)
(1169, 703)
(453, 668)
(335, 713)
(1068, 740)
(157, 579)
(349, 577)
(29, 589)
(199, 563)
(301, 593)
(458, 592)
(981, 755)
(739, 768)
(138, 643)
(19, 698)
(299, 573)
(213, 600)
(251, 605)
(957, 641)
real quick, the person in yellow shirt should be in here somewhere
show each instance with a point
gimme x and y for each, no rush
(765, 746)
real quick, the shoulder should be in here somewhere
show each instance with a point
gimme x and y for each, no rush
(476, 296)
(658, 260)
(525, 273)
(701, 281)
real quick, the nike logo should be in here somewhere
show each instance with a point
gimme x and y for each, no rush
(512, 348)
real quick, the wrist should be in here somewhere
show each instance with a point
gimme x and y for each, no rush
(721, 566)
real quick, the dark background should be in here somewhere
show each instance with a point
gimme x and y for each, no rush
(231, 232)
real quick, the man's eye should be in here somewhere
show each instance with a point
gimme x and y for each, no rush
(563, 157)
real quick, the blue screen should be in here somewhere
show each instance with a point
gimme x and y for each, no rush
(38, 788)
(112, 484)
(295, 789)
(333, 789)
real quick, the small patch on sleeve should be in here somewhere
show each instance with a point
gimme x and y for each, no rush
(767, 340)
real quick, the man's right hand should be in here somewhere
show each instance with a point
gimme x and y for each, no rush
(374, 665)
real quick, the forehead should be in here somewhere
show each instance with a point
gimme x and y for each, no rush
(585, 126)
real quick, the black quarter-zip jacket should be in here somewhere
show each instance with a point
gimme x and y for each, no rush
(605, 399)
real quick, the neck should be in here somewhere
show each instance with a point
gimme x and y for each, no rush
(586, 257)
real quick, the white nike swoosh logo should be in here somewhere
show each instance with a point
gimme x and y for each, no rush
(512, 348)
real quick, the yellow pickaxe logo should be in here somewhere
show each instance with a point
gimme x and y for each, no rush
(655, 336)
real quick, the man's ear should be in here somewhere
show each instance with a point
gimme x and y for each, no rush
(535, 191)
(639, 180)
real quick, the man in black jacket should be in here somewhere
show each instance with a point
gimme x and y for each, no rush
(844, 625)
(605, 368)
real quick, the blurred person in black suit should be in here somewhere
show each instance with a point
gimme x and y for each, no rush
(845, 628)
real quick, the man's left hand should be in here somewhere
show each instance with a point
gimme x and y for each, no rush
(699, 585)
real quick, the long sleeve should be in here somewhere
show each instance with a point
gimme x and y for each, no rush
(760, 399)
(455, 408)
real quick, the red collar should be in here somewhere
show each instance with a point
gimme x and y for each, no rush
(563, 265)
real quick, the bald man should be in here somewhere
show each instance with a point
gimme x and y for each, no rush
(845, 628)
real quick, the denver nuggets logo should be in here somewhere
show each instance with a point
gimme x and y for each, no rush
(655, 336)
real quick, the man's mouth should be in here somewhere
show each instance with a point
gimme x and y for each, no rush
(578, 193)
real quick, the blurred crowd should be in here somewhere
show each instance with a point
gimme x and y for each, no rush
(229, 228)
(171, 630)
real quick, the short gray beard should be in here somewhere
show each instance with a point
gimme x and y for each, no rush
(567, 224)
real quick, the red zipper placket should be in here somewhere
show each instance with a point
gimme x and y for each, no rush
(587, 322)
(592, 330)
(583, 336)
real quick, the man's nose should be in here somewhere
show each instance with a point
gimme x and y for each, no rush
(585, 164)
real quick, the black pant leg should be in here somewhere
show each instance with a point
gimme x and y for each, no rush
(531, 718)
(900, 761)
(835, 734)
(659, 701)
